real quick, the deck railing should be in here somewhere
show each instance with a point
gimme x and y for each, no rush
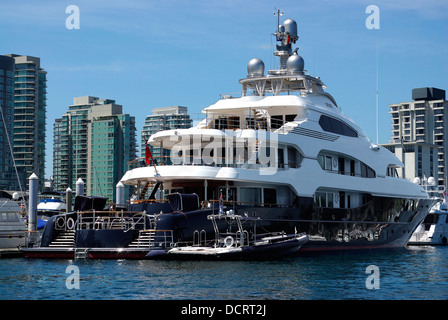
(104, 220)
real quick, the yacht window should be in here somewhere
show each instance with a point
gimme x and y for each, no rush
(281, 159)
(366, 171)
(336, 126)
(290, 117)
(221, 123)
(328, 163)
(228, 194)
(321, 199)
(341, 163)
(250, 123)
(330, 200)
(9, 217)
(293, 158)
(270, 196)
(321, 160)
(234, 122)
(325, 199)
(392, 172)
(352, 168)
(276, 121)
(251, 195)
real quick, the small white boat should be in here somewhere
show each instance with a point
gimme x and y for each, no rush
(51, 203)
(12, 227)
(434, 229)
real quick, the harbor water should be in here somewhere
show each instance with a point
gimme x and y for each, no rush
(402, 274)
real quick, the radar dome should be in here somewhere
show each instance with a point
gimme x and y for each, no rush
(290, 27)
(295, 64)
(431, 181)
(255, 68)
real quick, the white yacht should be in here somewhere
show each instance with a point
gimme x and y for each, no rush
(282, 152)
(51, 203)
(434, 229)
(12, 227)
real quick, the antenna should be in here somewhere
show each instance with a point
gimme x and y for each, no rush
(278, 13)
(377, 117)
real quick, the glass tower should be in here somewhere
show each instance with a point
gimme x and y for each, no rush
(93, 141)
(167, 118)
(30, 92)
(8, 177)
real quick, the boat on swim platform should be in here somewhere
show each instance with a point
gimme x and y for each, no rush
(243, 244)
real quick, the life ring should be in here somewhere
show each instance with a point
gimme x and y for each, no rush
(229, 241)
(70, 223)
(60, 222)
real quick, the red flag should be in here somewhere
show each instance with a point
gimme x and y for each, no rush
(148, 154)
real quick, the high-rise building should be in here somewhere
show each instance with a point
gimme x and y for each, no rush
(93, 141)
(166, 118)
(30, 92)
(8, 177)
(60, 156)
(418, 127)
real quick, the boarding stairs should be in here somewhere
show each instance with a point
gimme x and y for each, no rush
(144, 190)
(64, 239)
(145, 239)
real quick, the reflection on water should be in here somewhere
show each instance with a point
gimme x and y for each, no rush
(413, 273)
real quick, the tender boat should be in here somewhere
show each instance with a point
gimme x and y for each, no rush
(242, 244)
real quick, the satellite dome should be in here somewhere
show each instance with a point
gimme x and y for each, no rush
(290, 27)
(255, 68)
(431, 181)
(295, 64)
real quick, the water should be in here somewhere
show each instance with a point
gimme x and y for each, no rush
(405, 274)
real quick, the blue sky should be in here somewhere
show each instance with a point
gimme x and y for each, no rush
(146, 54)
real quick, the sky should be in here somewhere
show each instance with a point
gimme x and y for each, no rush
(147, 54)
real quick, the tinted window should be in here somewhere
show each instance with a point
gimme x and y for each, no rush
(335, 126)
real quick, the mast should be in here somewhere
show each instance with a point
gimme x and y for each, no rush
(12, 155)
(377, 116)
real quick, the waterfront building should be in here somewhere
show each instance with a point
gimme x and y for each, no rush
(418, 136)
(419, 158)
(93, 141)
(8, 177)
(30, 90)
(166, 118)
